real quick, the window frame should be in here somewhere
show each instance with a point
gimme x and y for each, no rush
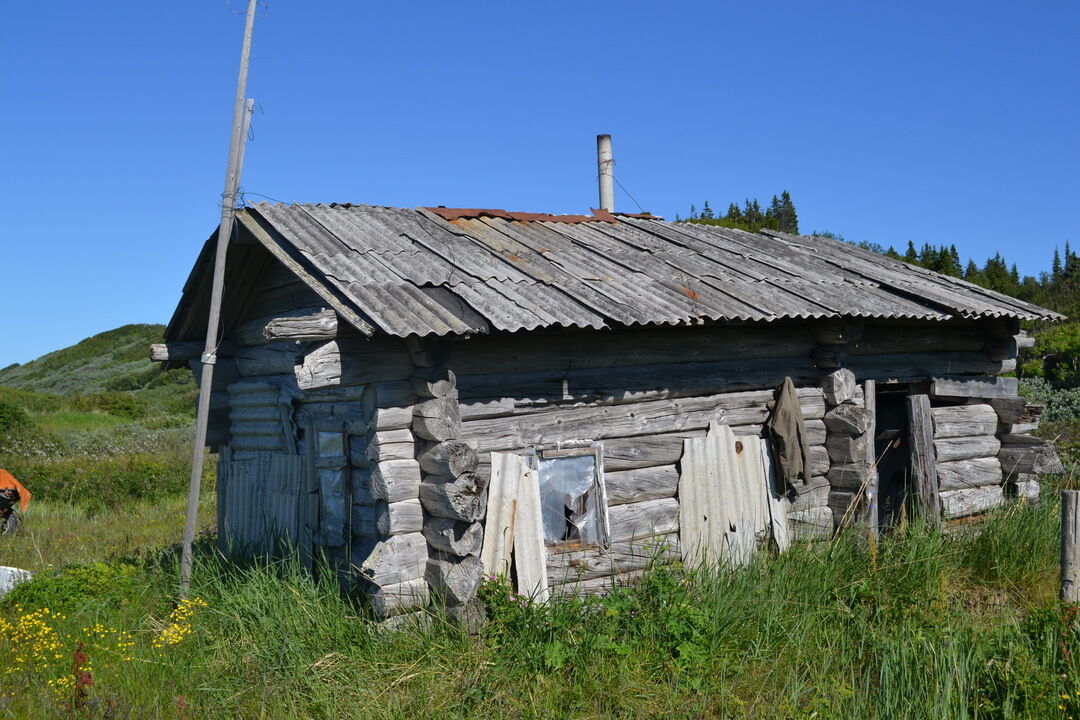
(596, 450)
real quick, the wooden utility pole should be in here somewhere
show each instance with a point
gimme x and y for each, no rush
(209, 357)
(1070, 546)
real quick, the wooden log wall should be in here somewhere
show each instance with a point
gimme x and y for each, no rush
(847, 422)
(453, 498)
(420, 459)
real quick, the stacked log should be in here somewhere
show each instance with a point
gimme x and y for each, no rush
(1024, 457)
(968, 470)
(453, 497)
(846, 423)
(388, 545)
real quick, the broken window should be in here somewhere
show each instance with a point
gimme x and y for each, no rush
(572, 498)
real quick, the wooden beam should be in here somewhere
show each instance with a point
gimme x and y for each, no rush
(923, 458)
(974, 387)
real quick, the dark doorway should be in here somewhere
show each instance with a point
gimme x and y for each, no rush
(893, 452)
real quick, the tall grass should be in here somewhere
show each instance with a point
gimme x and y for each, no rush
(924, 625)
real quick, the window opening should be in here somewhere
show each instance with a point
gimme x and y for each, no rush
(572, 496)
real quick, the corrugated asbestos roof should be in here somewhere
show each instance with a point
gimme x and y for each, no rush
(451, 271)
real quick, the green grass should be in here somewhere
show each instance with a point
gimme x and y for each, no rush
(924, 625)
(66, 421)
(56, 534)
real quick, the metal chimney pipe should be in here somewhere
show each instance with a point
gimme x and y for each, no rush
(605, 167)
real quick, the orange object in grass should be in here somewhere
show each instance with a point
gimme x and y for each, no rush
(7, 480)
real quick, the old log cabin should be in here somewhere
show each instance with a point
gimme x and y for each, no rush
(423, 395)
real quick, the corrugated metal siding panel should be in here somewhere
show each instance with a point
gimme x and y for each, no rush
(414, 272)
(260, 503)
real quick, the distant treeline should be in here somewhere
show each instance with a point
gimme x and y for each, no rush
(780, 215)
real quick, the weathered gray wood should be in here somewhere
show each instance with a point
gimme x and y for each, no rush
(391, 418)
(345, 362)
(908, 367)
(278, 359)
(924, 458)
(437, 419)
(872, 495)
(363, 521)
(618, 557)
(645, 451)
(461, 498)
(1039, 458)
(838, 332)
(299, 325)
(976, 472)
(643, 519)
(1023, 340)
(529, 352)
(428, 352)
(964, 420)
(845, 506)
(971, 501)
(1001, 348)
(448, 459)
(392, 393)
(396, 518)
(434, 382)
(395, 480)
(984, 387)
(613, 386)
(924, 337)
(389, 445)
(396, 560)
(361, 486)
(651, 483)
(454, 536)
(839, 386)
(1070, 546)
(646, 418)
(847, 420)
(453, 579)
(1018, 428)
(966, 448)
(177, 352)
(393, 599)
(848, 476)
(812, 493)
(1009, 409)
(600, 586)
(814, 523)
(846, 448)
(818, 460)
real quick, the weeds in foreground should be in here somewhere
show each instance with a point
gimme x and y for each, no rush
(942, 626)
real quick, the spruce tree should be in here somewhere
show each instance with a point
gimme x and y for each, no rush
(910, 255)
(706, 212)
(1055, 267)
(789, 218)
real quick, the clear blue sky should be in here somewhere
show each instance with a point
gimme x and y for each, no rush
(943, 122)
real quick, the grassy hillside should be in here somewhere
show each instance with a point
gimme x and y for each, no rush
(97, 423)
(113, 360)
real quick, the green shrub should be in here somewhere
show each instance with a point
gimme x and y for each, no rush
(11, 417)
(74, 586)
(99, 482)
(120, 404)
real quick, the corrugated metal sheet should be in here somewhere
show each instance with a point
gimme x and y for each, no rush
(449, 271)
(259, 502)
(723, 497)
(514, 529)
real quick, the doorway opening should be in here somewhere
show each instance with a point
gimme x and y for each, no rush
(892, 449)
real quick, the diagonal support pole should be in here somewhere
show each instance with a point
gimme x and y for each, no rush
(241, 117)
